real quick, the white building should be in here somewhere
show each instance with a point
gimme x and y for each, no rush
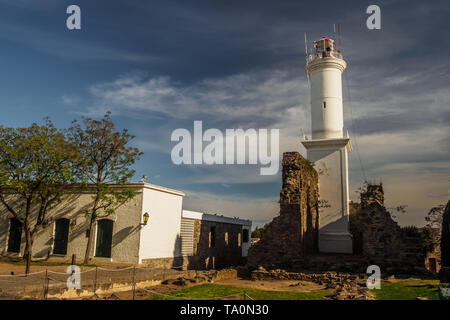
(122, 236)
(328, 149)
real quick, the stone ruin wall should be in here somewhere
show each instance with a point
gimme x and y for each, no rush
(227, 250)
(291, 239)
(294, 233)
(378, 238)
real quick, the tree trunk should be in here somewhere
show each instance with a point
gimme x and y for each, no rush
(90, 242)
(28, 251)
(25, 252)
(28, 238)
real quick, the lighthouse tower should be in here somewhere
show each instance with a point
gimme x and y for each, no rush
(328, 149)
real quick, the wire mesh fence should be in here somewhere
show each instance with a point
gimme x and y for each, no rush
(32, 284)
(92, 283)
(48, 283)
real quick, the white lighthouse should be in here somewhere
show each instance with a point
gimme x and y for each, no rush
(328, 149)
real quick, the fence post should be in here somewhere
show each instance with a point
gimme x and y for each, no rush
(245, 298)
(95, 280)
(45, 284)
(134, 281)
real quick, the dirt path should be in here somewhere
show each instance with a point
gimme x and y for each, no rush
(274, 285)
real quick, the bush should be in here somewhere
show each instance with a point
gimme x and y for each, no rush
(257, 233)
(424, 234)
(411, 231)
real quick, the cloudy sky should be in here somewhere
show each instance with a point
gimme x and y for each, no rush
(160, 65)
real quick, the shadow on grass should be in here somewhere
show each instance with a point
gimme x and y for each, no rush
(422, 286)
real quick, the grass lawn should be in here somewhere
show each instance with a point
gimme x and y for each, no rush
(43, 263)
(408, 290)
(214, 290)
(397, 290)
(38, 263)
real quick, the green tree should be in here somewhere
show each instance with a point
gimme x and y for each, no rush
(424, 234)
(257, 233)
(106, 167)
(36, 171)
(445, 237)
(433, 227)
(434, 216)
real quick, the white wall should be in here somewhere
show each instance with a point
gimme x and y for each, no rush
(331, 163)
(326, 86)
(125, 238)
(160, 238)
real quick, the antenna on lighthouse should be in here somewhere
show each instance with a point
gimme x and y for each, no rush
(306, 57)
(306, 49)
(339, 37)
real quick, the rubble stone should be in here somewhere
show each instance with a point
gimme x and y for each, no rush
(345, 285)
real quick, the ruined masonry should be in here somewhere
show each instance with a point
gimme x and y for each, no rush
(379, 238)
(294, 233)
(291, 239)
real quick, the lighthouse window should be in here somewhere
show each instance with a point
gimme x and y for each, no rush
(324, 104)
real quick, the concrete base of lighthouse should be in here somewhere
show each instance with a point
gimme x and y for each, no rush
(330, 158)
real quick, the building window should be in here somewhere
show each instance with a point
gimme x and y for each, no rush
(212, 237)
(61, 236)
(239, 239)
(104, 238)
(226, 238)
(324, 105)
(245, 235)
(15, 235)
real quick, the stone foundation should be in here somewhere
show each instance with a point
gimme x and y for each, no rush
(179, 263)
(345, 285)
